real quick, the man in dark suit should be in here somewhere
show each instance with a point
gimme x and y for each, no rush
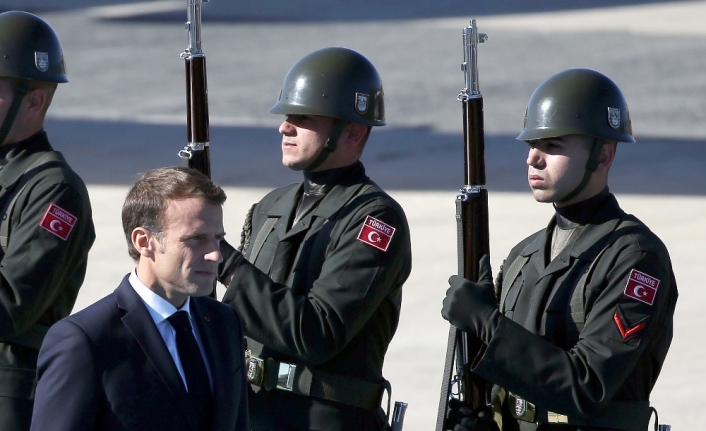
(121, 363)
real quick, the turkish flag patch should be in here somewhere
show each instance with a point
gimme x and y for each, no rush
(58, 221)
(625, 330)
(376, 233)
(642, 287)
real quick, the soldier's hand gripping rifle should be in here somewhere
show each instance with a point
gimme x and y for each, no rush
(196, 154)
(473, 238)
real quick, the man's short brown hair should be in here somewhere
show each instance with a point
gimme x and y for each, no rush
(147, 201)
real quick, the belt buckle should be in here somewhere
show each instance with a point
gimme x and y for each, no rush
(285, 376)
(556, 418)
(256, 368)
(523, 409)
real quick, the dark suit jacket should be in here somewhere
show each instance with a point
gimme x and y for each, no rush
(107, 368)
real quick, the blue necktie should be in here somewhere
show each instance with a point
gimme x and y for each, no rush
(194, 368)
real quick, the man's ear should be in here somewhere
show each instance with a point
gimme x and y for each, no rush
(35, 101)
(606, 157)
(354, 133)
(144, 242)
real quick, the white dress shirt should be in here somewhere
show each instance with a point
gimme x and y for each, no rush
(160, 309)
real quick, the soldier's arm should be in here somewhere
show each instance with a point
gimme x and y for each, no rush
(354, 279)
(617, 332)
(45, 261)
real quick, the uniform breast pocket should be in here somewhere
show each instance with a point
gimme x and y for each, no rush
(510, 300)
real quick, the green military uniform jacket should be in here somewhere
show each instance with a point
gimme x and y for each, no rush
(50, 232)
(327, 291)
(592, 356)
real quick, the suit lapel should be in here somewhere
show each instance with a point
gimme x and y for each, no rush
(327, 208)
(284, 210)
(539, 278)
(141, 325)
(220, 364)
(334, 200)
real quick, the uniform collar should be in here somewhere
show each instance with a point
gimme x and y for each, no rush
(596, 221)
(322, 181)
(580, 213)
(36, 142)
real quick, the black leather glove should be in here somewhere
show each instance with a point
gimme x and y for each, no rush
(231, 259)
(462, 418)
(472, 306)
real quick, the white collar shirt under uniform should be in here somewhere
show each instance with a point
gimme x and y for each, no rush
(160, 309)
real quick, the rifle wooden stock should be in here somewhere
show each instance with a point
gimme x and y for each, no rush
(196, 154)
(197, 125)
(472, 241)
(473, 238)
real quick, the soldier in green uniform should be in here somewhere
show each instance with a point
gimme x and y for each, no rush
(586, 305)
(46, 228)
(320, 287)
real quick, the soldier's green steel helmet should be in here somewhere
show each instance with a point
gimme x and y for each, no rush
(30, 49)
(577, 102)
(334, 82)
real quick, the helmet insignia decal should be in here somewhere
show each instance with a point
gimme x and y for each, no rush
(614, 117)
(41, 60)
(361, 102)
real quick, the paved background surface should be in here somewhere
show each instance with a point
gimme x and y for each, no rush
(123, 113)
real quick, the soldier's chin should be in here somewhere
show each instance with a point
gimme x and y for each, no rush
(296, 167)
(542, 197)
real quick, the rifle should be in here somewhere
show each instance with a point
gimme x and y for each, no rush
(196, 153)
(472, 235)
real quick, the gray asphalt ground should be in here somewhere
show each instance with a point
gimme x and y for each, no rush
(123, 113)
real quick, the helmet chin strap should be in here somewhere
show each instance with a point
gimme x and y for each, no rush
(330, 145)
(21, 89)
(591, 166)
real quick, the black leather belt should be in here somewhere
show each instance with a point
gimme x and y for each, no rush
(624, 415)
(31, 338)
(303, 380)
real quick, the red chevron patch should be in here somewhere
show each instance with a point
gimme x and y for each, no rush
(627, 332)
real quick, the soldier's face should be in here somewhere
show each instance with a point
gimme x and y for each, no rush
(187, 253)
(303, 137)
(556, 167)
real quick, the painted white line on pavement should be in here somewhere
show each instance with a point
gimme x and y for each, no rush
(671, 18)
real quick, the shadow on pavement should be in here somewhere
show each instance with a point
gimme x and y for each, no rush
(401, 159)
(318, 10)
